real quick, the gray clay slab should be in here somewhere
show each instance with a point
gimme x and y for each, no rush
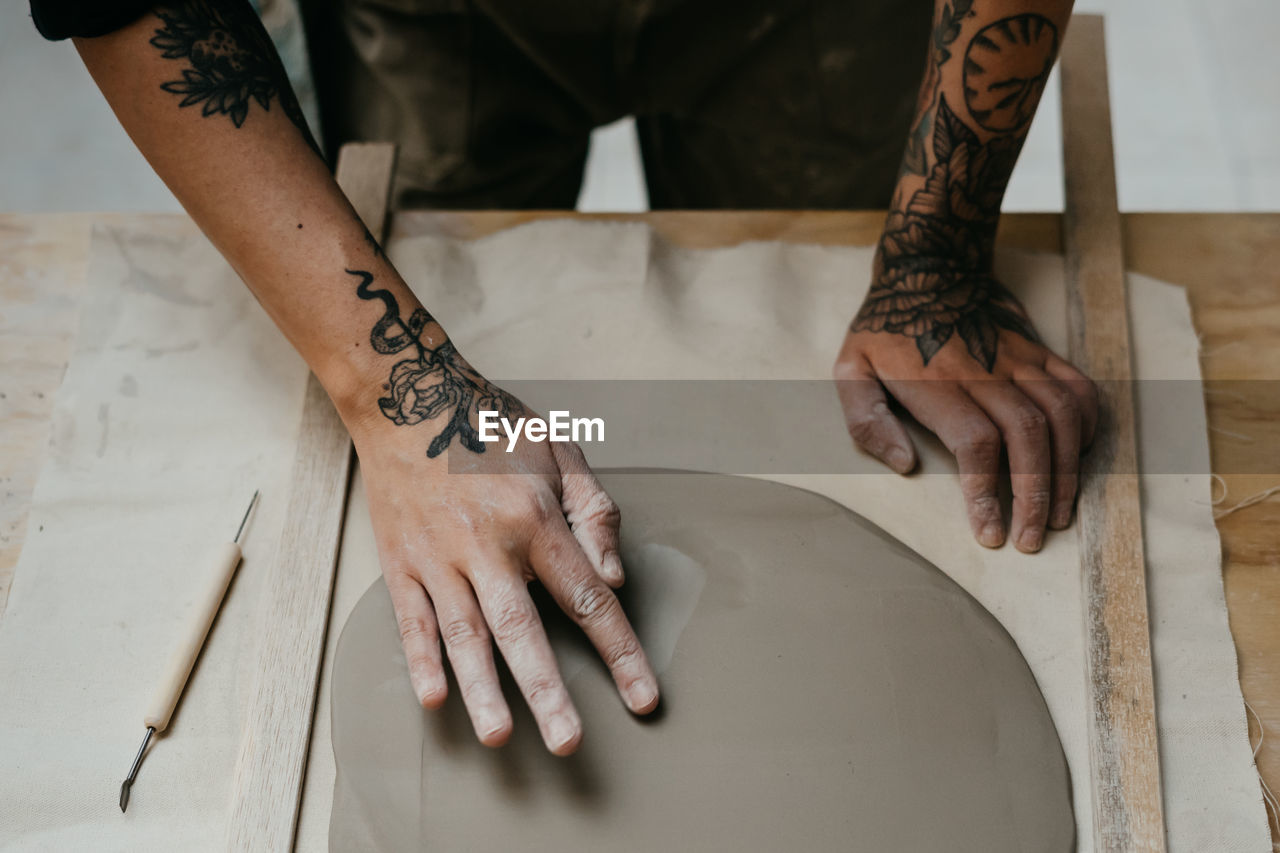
(825, 689)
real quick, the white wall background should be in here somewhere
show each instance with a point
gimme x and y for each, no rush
(1195, 91)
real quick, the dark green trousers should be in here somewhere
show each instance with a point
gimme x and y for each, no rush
(738, 103)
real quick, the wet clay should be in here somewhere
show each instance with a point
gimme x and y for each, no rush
(824, 688)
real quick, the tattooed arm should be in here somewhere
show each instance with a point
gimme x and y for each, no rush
(937, 330)
(199, 88)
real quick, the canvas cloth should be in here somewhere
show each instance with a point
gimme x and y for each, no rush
(180, 399)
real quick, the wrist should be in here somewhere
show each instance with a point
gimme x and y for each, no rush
(383, 368)
(355, 378)
(918, 241)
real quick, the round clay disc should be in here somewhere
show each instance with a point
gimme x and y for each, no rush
(824, 689)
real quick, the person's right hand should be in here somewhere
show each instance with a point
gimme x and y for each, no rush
(462, 533)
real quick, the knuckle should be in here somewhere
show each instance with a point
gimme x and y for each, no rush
(1028, 421)
(543, 691)
(420, 661)
(590, 601)
(599, 507)
(846, 371)
(573, 453)
(981, 500)
(980, 440)
(623, 652)
(539, 506)
(1063, 405)
(509, 617)
(460, 632)
(1037, 499)
(412, 628)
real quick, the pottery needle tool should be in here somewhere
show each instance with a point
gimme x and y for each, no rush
(222, 565)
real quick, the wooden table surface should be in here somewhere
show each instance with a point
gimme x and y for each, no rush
(1229, 263)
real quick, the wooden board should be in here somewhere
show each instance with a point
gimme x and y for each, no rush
(1124, 760)
(267, 791)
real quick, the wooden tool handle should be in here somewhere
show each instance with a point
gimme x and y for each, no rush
(222, 565)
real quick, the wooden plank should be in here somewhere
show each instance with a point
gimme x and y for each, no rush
(1124, 758)
(267, 791)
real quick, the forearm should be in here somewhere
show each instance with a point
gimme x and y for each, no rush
(203, 96)
(986, 69)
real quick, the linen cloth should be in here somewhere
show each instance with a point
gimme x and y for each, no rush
(181, 398)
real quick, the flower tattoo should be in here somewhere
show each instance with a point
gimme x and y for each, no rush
(231, 62)
(933, 265)
(434, 381)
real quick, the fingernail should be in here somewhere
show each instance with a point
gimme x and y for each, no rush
(899, 459)
(642, 696)
(1061, 517)
(561, 731)
(992, 534)
(613, 567)
(1030, 539)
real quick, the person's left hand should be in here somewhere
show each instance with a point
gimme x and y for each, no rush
(957, 350)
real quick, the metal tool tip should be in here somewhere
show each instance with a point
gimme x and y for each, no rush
(133, 770)
(253, 500)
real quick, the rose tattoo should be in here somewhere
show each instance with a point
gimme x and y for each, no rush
(434, 381)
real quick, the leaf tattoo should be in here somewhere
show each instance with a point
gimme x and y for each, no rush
(434, 381)
(932, 279)
(231, 61)
(948, 29)
(940, 41)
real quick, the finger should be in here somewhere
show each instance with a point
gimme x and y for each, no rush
(421, 639)
(1086, 392)
(946, 410)
(1062, 409)
(514, 621)
(872, 426)
(1025, 430)
(466, 640)
(563, 569)
(593, 517)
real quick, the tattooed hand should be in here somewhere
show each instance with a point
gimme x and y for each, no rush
(937, 330)
(983, 384)
(463, 528)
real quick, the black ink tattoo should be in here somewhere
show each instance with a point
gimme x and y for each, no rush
(231, 61)
(434, 381)
(943, 36)
(933, 265)
(1005, 69)
(948, 29)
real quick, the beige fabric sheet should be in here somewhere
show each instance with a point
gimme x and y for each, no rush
(181, 398)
